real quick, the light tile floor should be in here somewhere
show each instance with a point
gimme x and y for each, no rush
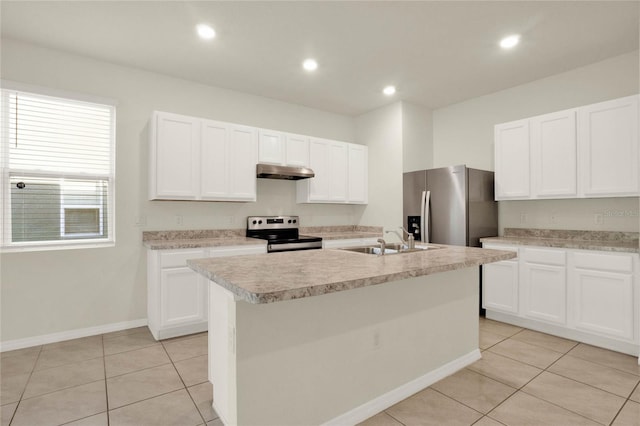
(127, 378)
(122, 378)
(527, 378)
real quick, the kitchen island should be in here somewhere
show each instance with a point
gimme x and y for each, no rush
(332, 336)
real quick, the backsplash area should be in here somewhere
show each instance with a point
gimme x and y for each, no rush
(590, 214)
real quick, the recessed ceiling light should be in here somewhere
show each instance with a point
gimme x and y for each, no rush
(389, 90)
(310, 65)
(510, 41)
(205, 32)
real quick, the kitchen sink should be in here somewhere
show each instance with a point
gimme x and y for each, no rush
(396, 248)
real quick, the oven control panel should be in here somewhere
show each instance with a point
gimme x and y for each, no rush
(272, 222)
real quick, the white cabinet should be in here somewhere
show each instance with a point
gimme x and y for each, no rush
(341, 173)
(609, 148)
(543, 283)
(603, 293)
(512, 160)
(554, 155)
(177, 296)
(585, 152)
(585, 295)
(500, 283)
(358, 174)
(197, 159)
(285, 149)
(174, 149)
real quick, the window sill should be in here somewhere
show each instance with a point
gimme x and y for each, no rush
(22, 247)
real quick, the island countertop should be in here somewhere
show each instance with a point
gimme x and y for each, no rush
(274, 277)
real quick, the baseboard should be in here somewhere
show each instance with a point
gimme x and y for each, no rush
(567, 333)
(11, 345)
(381, 403)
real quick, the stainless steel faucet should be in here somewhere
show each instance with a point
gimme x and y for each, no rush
(410, 241)
(383, 246)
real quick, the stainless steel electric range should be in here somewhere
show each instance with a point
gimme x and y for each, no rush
(281, 233)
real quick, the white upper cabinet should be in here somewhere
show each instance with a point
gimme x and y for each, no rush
(197, 159)
(585, 152)
(283, 149)
(341, 173)
(271, 147)
(554, 155)
(609, 156)
(358, 174)
(512, 160)
(297, 150)
(175, 142)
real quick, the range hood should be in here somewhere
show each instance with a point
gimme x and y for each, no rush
(270, 171)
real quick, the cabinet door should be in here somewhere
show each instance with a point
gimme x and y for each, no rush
(319, 162)
(358, 174)
(297, 150)
(183, 297)
(554, 155)
(175, 149)
(544, 289)
(213, 160)
(608, 148)
(243, 147)
(271, 147)
(604, 302)
(338, 174)
(512, 160)
(500, 286)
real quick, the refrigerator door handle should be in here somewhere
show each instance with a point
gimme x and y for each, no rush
(424, 215)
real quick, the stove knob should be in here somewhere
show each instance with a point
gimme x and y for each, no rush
(255, 221)
(259, 222)
(289, 220)
(294, 221)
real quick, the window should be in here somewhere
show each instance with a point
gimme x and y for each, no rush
(58, 166)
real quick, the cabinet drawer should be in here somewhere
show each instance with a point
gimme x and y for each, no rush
(179, 258)
(546, 256)
(605, 262)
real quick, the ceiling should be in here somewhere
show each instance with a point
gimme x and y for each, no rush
(436, 52)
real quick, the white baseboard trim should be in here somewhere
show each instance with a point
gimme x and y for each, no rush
(381, 403)
(11, 345)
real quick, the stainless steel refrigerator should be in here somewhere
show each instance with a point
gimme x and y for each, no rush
(450, 205)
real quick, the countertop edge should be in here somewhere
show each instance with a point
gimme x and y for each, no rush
(318, 290)
(557, 243)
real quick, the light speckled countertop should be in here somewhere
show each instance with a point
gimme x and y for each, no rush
(168, 240)
(624, 242)
(274, 277)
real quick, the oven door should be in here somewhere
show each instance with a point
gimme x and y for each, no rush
(273, 247)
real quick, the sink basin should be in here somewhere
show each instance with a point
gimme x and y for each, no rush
(396, 248)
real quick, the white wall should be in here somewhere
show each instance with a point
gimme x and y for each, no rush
(417, 137)
(463, 133)
(55, 291)
(381, 131)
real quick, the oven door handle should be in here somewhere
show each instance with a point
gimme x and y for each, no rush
(294, 246)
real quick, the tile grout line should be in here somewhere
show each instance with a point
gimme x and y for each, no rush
(183, 383)
(625, 403)
(25, 386)
(106, 388)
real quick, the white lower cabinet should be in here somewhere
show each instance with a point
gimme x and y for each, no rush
(543, 280)
(500, 283)
(584, 295)
(603, 290)
(177, 296)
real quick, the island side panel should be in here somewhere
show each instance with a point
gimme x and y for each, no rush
(308, 361)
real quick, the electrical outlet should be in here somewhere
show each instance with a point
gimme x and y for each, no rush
(179, 219)
(598, 218)
(523, 218)
(553, 218)
(140, 220)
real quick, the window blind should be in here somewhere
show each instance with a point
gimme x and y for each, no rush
(58, 170)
